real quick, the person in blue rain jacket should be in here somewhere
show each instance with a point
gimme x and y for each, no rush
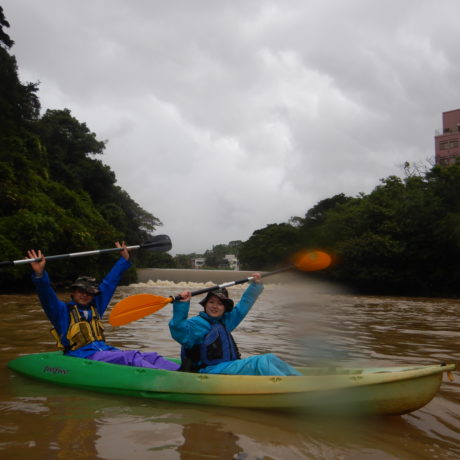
(207, 343)
(77, 324)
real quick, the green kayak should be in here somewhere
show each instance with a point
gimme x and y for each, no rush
(384, 391)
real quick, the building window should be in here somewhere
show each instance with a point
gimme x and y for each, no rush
(450, 144)
(444, 161)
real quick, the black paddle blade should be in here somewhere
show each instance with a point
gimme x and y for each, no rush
(159, 243)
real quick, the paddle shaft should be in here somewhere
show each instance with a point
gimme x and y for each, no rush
(234, 283)
(160, 242)
(65, 256)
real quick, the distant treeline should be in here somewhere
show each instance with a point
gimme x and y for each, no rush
(403, 238)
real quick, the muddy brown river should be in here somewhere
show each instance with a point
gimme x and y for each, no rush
(299, 320)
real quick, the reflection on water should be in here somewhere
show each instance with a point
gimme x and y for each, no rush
(303, 323)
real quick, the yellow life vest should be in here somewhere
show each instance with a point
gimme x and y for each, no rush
(81, 332)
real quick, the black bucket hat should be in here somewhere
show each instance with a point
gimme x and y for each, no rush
(222, 294)
(87, 284)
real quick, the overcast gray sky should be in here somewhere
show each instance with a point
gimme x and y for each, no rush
(225, 116)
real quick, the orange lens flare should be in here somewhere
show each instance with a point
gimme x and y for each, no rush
(310, 261)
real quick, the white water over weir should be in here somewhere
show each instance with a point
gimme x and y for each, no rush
(178, 278)
(192, 275)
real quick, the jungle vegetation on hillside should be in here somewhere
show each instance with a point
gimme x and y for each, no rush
(56, 194)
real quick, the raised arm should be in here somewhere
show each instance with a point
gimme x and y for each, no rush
(112, 279)
(52, 306)
(248, 299)
(187, 332)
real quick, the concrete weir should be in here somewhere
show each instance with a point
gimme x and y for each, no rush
(200, 276)
(177, 275)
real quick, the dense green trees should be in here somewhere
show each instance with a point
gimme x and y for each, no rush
(269, 247)
(402, 238)
(55, 194)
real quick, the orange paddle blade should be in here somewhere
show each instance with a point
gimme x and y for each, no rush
(135, 307)
(310, 261)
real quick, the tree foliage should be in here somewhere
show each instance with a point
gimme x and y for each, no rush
(55, 194)
(269, 247)
(403, 238)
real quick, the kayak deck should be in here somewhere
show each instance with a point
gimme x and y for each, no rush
(384, 391)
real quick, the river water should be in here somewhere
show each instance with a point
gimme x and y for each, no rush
(301, 321)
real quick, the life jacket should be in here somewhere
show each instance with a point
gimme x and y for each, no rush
(81, 332)
(218, 347)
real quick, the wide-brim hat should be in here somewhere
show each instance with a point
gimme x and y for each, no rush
(87, 284)
(221, 294)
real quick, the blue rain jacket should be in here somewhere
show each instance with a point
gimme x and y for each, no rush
(190, 332)
(58, 313)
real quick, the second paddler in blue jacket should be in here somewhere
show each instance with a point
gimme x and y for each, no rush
(207, 343)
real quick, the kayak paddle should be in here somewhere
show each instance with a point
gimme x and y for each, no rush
(138, 306)
(159, 243)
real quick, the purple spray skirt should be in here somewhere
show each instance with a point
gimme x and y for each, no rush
(134, 358)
